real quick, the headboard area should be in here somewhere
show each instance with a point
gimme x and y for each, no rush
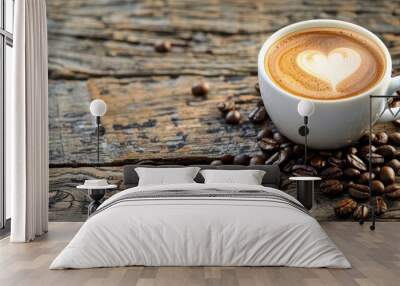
(271, 177)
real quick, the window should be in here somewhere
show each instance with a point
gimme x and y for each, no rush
(6, 64)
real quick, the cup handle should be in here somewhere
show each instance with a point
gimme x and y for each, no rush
(392, 113)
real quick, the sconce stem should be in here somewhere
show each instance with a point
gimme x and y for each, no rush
(98, 140)
(305, 139)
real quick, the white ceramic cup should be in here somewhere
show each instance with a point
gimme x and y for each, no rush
(334, 123)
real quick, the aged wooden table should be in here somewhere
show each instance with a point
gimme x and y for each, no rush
(105, 49)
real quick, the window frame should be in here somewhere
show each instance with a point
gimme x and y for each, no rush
(6, 39)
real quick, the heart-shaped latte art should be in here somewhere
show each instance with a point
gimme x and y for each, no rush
(333, 67)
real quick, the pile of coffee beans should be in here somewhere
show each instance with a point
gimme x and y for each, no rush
(345, 172)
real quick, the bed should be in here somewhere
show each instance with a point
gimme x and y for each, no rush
(197, 224)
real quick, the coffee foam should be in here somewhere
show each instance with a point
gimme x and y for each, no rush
(325, 63)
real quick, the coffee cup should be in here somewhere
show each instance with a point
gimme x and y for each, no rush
(338, 120)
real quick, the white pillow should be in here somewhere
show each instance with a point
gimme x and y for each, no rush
(248, 177)
(165, 176)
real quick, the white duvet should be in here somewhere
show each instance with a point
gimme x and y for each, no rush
(200, 231)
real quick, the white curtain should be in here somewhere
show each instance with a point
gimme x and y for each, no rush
(27, 124)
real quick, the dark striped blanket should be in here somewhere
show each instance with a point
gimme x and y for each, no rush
(205, 194)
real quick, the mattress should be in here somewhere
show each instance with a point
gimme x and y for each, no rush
(201, 225)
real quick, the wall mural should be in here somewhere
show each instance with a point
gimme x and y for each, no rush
(144, 57)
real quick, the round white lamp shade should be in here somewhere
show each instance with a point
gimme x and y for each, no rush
(98, 107)
(305, 108)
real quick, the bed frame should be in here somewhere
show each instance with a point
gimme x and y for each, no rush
(271, 178)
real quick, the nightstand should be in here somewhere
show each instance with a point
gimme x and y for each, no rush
(96, 193)
(305, 190)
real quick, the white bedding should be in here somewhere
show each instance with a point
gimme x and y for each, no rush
(200, 231)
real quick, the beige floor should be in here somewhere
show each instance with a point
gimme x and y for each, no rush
(375, 257)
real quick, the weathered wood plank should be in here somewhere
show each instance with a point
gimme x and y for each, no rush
(149, 118)
(105, 49)
(66, 203)
(213, 39)
(129, 51)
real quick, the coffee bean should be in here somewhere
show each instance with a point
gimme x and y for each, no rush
(258, 114)
(257, 160)
(395, 164)
(216, 163)
(346, 184)
(376, 159)
(273, 128)
(345, 207)
(365, 138)
(285, 145)
(336, 162)
(361, 212)
(233, 117)
(379, 205)
(387, 175)
(387, 151)
(287, 168)
(200, 89)
(331, 173)
(393, 191)
(272, 159)
(396, 122)
(351, 150)
(358, 191)
(268, 144)
(163, 47)
(265, 132)
(356, 162)
(227, 159)
(377, 187)
(300, 161)
(338, 155)
(365, 150)
(298, 150)
(351, 172)
(318, 162)
(226, 106)
(364, 178)
(241, 159)
(395, 137)
(381, 138)
(283, 156)
(278, 137)
(303, 170)
(331, 187)
(395, 102)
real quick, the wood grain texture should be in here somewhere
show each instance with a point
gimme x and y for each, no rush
(374, 257)
(105, 49)
(152, 118)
